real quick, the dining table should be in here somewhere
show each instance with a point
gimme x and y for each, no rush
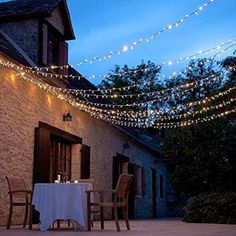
(61, 201)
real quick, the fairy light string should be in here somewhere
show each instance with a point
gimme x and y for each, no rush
(231, 43)
(152, 116)
(167, 125)
(82, 107)
(126, 88)
(93, 92)
(138, 42)
(174, 89)
(117, 113)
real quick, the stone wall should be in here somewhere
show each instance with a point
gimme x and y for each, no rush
(25, 34)
(23, 105)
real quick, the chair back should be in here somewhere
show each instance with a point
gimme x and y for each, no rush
(16, 184)
(90, 181)
(123, 185)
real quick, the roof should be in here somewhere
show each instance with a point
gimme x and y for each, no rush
(32, 9)
(151, 143)
(140, 136)
(7, 48)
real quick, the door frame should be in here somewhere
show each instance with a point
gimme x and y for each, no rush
(42, 147)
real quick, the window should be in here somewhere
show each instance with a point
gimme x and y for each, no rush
(52, 153)
(53, 50)
(161, 187)
(60, 158)
(139, 180)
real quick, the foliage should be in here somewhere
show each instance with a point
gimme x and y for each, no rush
(203, 157)
(204, 154)
(144, 75)
(211, 208)
(202, 162)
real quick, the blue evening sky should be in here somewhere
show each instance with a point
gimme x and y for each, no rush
(103, 25)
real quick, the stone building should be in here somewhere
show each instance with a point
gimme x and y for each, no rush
(36, 140)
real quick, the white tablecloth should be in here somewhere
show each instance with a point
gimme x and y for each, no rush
(61, 201)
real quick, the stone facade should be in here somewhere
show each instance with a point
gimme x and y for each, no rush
(26, 35)
(23, 105)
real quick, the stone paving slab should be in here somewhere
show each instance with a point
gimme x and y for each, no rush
(166, 227)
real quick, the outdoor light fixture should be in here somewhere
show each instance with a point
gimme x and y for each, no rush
(67, 116)
(126, 145)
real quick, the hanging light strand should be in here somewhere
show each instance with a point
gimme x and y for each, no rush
(161, 113)
(174, 89)
(141, 104)
(168, 125)
(220, 47)
(60, 76)
(153, 116)
(139, 42)
(158, 125)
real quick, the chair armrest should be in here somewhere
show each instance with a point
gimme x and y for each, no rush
(101, 191)
(21, 191)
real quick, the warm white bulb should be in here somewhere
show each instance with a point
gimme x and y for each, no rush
(125, 48)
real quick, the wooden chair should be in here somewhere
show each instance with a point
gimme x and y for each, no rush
(90, 181)
(19, 196)
(120, 200)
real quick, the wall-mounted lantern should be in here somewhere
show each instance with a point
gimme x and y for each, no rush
(126, 145)
(67, 116)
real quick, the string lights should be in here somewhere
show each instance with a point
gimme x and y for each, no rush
(150, 116)
(169, 125)
(41, 70)
(187, 86)
(137, 43)
(151, 101)
(121, 89)
(144, 123)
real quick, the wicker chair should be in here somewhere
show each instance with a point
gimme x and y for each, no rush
(19, 196)
(120, 200)
(90, 181)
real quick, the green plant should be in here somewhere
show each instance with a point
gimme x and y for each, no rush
(212, 208)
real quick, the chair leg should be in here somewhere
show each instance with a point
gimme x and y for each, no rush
(127, 218)
(91, 220)
(88, 212)
(102, 217)
(9, 217)
(58, 224)
(116, 219)
(26, 215)
(30, 216)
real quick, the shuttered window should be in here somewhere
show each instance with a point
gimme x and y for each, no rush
(54, 49)
(52, 153)
(139, 180)
(60, 158)
(85, 162)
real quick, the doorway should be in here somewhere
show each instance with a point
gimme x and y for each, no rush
(121, 165)
(52, 153)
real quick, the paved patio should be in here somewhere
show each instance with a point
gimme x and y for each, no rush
(167, 227)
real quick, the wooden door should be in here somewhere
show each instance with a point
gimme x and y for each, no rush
(85, 162)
